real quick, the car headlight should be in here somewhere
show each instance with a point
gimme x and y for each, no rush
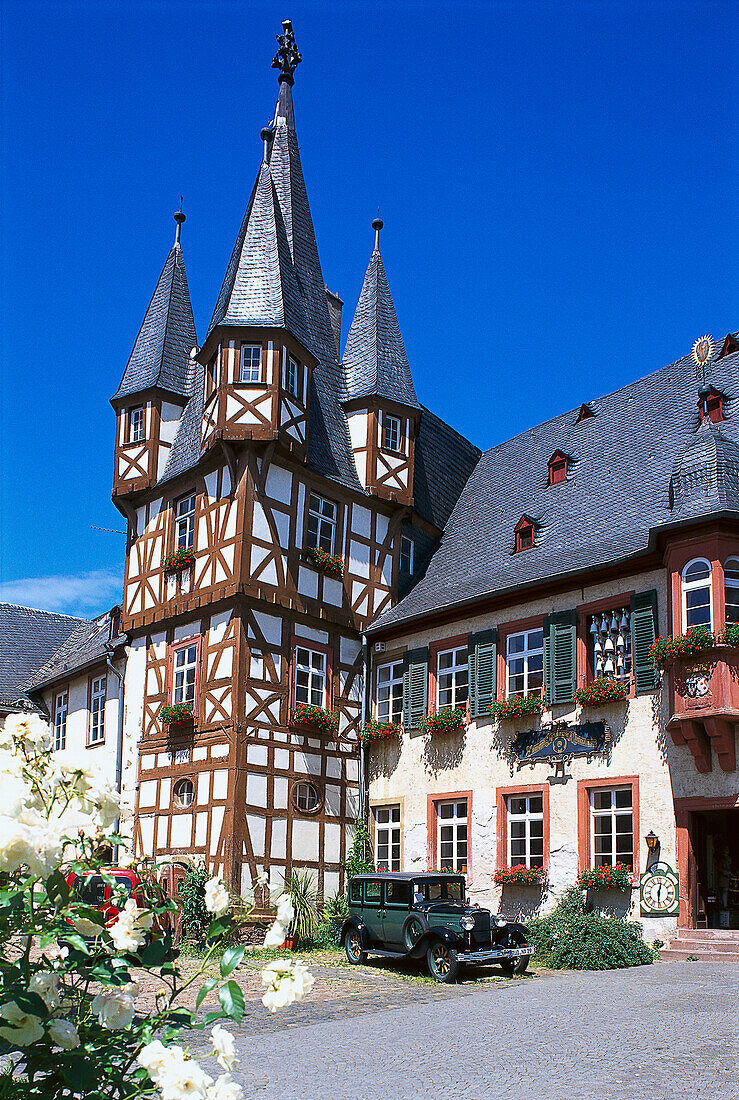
(501, 922)
(468, 923)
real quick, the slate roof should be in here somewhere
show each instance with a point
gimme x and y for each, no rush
(86, 645)
(641, 462)
(443, 462)
(375, 362)
(28, 638)
(161, 354)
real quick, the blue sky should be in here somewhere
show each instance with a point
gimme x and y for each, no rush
(557, 182)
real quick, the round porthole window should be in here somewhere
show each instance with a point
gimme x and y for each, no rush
(306, 797)
(183, 793)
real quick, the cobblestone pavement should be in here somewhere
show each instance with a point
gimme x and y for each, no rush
(666, 1032)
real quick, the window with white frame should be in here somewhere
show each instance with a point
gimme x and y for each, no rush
(97, 710)
(451, 835)
(611, 827)
(731, 589)
(293, 379)
(251, 363)
(322, 523)
(406, 554)
(310, 677)
(184, 510)
(256, 664)
(525, 662)
(184, 673)
(61, 707)
(696, 593)
(390, 692)
(391, 437)
(525, 830)
(451, 678)
(387, 837)
(136, 424)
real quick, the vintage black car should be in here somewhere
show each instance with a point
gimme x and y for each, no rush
(404, 915)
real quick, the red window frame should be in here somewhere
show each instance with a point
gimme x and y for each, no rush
(524, 531)
(502, 796)
(431, 826)
(585, 670)
(197, 640)
(316, 647)
(435, 648)
(518, 626)
(558, 468)
(584, 787)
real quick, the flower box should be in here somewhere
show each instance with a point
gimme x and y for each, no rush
(379, 731)
(444, 721)
(695, 639)
(519, 875)
(330, 564)
(518, 706)
(617, 877)
(316, 717)
(176, 714)
(601, 692)
(179, 559)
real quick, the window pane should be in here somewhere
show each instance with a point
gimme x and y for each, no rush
(517, 805)
(536, 804)
(602, 800)
(697, 570)
(623, 798)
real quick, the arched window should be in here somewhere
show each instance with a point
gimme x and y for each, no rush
(731, 589)
(696, 588)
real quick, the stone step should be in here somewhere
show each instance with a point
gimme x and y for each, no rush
(707, 934)
(726, 947)
(672, 955)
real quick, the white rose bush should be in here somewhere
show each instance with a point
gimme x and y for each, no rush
(72, 1024)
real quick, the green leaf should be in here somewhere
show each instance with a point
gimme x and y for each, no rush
(217, 927)
(75, 941)
(31, 1003)
(231, 999)
(155, 953)
(232, 956)
(78, 1071)
(211, 1017)
(57, 889)
(205, 989)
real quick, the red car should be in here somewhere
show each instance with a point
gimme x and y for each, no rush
(92, 890)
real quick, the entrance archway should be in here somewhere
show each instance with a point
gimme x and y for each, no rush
(708, 861)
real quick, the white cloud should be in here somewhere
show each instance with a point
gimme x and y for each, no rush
(86, 594)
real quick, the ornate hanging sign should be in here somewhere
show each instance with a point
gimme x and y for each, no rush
(703, 349)
(560, 742)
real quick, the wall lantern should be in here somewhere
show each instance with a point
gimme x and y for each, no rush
(652, 841)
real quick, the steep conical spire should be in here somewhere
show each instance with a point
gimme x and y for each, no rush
(161, 354)
(375, 362)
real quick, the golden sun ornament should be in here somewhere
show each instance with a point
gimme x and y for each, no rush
(703, 349)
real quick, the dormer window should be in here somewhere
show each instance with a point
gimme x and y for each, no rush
(524, 534)
(390, 433)
(251, 363)
(136, 424)
(713, 407)
(730, 345)
(557, 468)
(584, 413)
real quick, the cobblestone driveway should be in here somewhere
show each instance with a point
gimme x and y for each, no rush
(665, 1031)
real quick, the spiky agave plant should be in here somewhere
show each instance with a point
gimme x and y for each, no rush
(299, 885)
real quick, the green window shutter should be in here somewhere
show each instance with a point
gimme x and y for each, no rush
(643, 633)
(560, 657)
(483, 667)
(415, 686)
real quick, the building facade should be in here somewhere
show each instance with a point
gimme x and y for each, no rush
(573, 547)
(278, 499)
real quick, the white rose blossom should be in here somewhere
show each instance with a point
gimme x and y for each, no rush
(30, 730)
(216, 897)
(15, 844)
(176, 1076)
(225, 1088)
(46, 985)
(63, 1034)
(224, 1048)
(55, 952)
(87, 927)
(114, 1009)
(153, 1057)
(286, 982)
(128, 933)
(22, 1028)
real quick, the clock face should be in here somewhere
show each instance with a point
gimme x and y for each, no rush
(659, 891)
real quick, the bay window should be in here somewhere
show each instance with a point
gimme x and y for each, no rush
(696, 594)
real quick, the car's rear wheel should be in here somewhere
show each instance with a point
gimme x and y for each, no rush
(442, 962)
(413, 929)
(353, 947)
(519, 965)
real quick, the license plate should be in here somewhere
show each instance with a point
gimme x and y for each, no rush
(515, 952)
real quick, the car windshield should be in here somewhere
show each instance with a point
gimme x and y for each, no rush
(439, 889)
(90, 891)
(123, 888)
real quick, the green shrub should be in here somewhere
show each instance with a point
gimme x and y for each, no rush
(359, 857)
(569, 938)
(191, 895)
(300, 886)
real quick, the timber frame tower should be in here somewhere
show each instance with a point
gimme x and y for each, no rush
(234, 463)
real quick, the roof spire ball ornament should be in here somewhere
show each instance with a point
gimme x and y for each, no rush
(287, 57)
(179, 217)
(377, 226)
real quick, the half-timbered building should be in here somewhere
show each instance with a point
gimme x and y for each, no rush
(278, 499)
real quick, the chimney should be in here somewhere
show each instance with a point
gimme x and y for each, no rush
(335, 306)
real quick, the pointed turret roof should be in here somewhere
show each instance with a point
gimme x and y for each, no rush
(161, 354)
(375, 362)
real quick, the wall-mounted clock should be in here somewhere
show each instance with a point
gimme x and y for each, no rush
(660, 895)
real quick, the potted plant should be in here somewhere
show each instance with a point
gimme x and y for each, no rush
(444, 721)
(379, 731)
(607, 877)
(300, 888)
(601, 692)
(181, 558)
(519, 875)
(175, 714)
(330, 564)
(518, 706)
(318, 718)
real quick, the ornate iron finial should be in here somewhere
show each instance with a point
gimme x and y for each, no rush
(377, 226)
(287, 57)
(179, 218)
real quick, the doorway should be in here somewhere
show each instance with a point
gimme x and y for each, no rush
(715, 837)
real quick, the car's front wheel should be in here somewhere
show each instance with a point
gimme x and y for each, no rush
(353, 947)
(519, 965)
(442, 962)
